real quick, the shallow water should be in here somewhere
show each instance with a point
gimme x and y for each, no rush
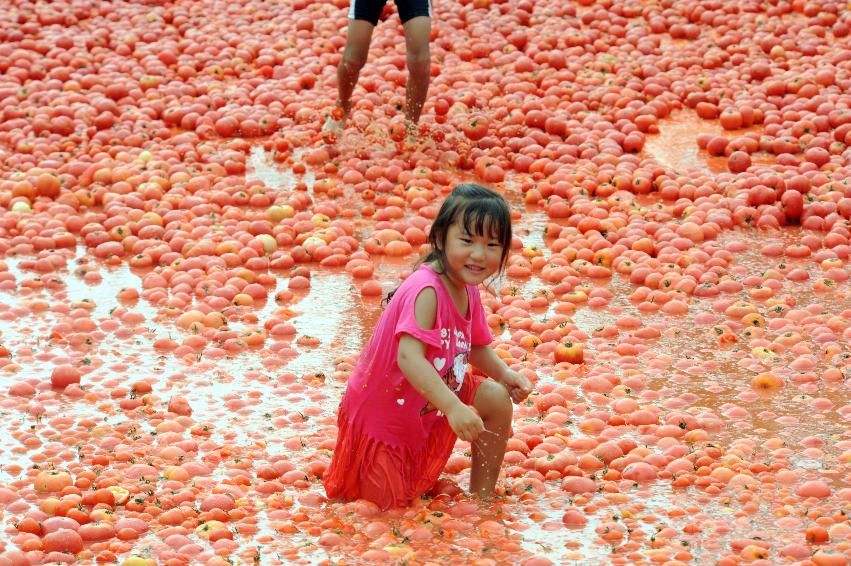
(267, 405)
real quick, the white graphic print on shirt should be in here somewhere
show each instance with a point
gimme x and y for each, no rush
(454, 375)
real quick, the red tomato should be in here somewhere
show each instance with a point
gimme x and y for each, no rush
(441, 107)
(476, 127)
(793, 205)
(569, 352)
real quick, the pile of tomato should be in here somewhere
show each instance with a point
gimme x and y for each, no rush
(189, 269)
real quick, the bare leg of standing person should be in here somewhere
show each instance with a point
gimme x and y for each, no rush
(355, 54)
(417, 37)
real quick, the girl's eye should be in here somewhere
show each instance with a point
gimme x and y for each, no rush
(493, 245)
(467, 240)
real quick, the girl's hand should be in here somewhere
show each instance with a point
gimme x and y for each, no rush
(465, 422)
(518, 386)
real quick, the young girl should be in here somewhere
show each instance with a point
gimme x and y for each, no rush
(411, 394)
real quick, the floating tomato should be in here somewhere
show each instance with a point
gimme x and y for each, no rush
(569, 352)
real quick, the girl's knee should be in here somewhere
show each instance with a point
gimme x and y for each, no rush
(493, 401)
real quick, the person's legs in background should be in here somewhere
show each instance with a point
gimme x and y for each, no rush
(363, 17)
(417, 37)
(354, 58)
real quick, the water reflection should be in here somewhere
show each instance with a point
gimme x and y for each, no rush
(675, 146)
(288, 402)
(335, 313)
(260, 167)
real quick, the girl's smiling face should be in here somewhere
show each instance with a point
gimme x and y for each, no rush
(471, 258)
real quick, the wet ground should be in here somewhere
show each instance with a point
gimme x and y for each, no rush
(282, 402)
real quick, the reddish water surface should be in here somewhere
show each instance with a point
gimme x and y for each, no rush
(275, 402)
(265, 404)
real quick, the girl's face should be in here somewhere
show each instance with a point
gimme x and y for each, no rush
(470, 258)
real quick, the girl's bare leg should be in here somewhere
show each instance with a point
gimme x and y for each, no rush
(494, 406)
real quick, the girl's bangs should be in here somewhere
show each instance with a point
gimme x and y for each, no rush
(488, 217)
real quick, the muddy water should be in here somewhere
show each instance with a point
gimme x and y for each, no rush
(675, 146)
(266, 402)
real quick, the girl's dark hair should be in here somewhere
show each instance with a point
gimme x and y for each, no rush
(479, 209)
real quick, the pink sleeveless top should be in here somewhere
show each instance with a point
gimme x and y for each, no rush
(379, 400)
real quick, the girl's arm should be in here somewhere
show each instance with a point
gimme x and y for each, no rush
(484, 358)
(425, 379)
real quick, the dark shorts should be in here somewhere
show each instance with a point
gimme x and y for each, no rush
(370, 10)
